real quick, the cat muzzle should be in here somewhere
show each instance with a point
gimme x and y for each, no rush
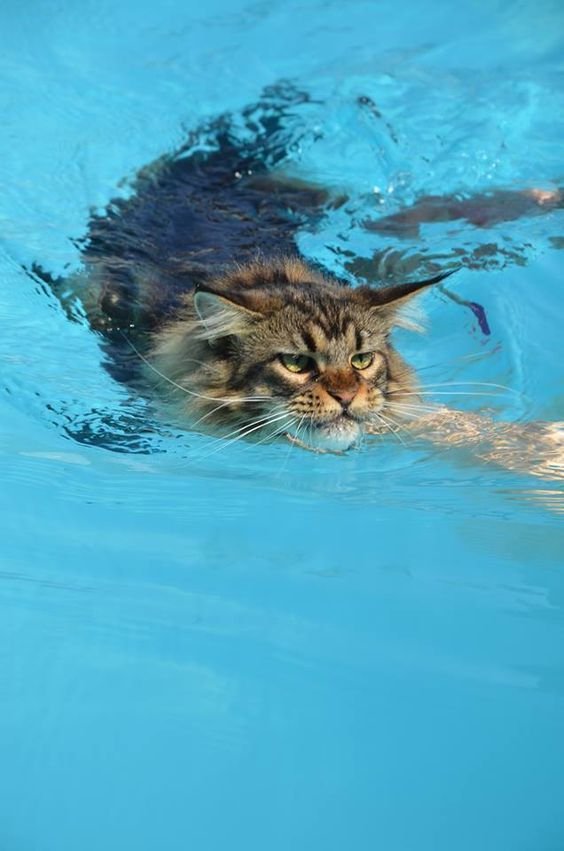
(335, 435)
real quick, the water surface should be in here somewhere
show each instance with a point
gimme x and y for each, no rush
(259, 647)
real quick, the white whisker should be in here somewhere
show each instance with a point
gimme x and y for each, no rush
(185, 389)
(291, 442)
(390, 425)
(473, 384)
(441, 393)
(264, 418)
(411, 410)
(242, 399)
(242, 432)
(279, 430)
(413, 406)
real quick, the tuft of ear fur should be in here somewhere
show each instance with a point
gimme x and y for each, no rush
(391, 301)
(220, 316)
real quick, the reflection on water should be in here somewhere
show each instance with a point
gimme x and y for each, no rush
(553, 500)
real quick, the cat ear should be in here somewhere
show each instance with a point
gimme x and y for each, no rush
(221, 316)
(392, 303)
(397, 295)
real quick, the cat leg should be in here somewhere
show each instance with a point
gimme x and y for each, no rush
(481, 210)
(536, 449)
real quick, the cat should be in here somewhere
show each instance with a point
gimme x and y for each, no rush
(275, 347)
(199, 293)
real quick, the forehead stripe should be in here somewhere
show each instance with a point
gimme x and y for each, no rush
(316, 337)
(309, 341)
(358, 339)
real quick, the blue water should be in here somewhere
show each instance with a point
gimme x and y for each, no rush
(262, 648)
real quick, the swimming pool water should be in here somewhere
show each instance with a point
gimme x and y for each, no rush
(258, 647)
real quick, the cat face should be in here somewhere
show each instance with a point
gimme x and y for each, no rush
(274, 349)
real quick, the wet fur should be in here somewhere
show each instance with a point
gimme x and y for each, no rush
(218, 359)
(172, 282)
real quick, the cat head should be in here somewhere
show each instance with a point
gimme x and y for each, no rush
(276, 349)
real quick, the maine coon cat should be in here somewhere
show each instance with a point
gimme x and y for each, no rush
(276, 348)
(198, 291)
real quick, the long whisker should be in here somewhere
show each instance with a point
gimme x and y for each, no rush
(224, 404)
(441, 393)
(298, 429)
(413, 412)
(264, 419)
(269, 422)
(185, 389)
(310, 435)
(237, 434)
(292, 444)
(279, 430)
(388, 410)
(466, 358)
(391, 426)
(242, 432)
(413, 406)
(209, 414)
(473, 384)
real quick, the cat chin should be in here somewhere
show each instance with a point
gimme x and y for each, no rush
(336, 436)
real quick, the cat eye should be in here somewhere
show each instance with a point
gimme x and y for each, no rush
(297, 363)
(362, 360)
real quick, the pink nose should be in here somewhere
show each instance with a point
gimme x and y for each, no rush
(344, 395)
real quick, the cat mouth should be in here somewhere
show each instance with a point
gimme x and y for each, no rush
(336, 435)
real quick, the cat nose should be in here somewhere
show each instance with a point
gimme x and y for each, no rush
(344, 395)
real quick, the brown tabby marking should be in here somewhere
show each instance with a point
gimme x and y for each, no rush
(274, 348)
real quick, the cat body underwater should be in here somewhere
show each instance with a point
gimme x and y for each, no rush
(199, 292)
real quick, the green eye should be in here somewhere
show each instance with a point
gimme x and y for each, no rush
(297, 363)
(362, 360)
